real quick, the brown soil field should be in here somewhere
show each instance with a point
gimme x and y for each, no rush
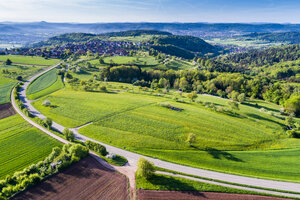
(194, 195)
(6, 110)
(87, 179)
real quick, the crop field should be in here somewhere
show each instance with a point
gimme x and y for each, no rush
(45, 84)
(21, 145)
(6, 86)
(32, 60)
(136, 122)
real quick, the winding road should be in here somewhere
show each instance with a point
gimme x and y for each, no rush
(133, 157)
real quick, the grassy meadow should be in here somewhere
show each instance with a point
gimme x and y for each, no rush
(238, 143)
(145, 61)
(32, 60)
(45, 84)
(21, 145)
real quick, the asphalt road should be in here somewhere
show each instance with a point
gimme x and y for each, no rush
(133, 157)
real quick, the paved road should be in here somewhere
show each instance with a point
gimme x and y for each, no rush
(133, 157)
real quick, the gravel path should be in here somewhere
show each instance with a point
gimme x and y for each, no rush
(133, 157)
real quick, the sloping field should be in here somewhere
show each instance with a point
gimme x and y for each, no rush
(45, 84)
(6, 110)
(5, 90)
(33, 60)
(87, 179)
(175, 195)
(137, 123)
(21, 145)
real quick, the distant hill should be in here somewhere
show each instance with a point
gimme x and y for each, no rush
(290, 37)
(184, 46)
(83, 37)
(259, 58)
(190, 43)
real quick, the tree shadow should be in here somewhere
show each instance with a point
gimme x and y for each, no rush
(263, 118)
(259, 106)
(170, 183)
(218, 154)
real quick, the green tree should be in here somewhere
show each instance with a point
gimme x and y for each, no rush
(292, 105)
(241, 98)
(234, 105)
(193, 95)
(8, 62)
(191, 139)
(69, 135)
(48, 121)
(145, 168)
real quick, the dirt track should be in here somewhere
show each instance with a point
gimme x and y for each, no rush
(6, 110)
(85, 180)
(194, 195)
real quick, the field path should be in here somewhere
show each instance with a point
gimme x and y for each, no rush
(133, 157)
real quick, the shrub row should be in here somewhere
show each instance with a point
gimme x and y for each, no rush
(96, 147)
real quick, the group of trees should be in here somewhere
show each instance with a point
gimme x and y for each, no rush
(59, 159)
(235, 86)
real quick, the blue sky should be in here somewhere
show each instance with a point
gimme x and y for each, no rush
(282, 11)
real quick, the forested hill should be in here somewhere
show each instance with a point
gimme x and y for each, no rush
(83, 37)
(290, 37)
(269, 56)
(190, 43)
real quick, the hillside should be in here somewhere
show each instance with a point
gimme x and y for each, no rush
(188, 43)
(84, 37)
(289, 37)
(267, 56)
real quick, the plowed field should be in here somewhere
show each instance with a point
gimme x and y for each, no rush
(86, 179)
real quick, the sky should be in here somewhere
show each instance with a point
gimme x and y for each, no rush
(91, 11)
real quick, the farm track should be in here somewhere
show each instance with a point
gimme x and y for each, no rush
(133, 157)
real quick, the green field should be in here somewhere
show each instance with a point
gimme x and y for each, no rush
(21, 145)
(33, 60)
(45, 84)
(6, 86)
(136, 122)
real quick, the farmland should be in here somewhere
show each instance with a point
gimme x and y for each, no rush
(31, 60)
(6, 86)
(45, 84)
(21, 145)
(84, 180)
(131, 121)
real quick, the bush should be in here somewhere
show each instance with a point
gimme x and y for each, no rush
(69, 135)
(96, 147)
(48, 122)
(145, 168)
(46, 103)
(234, 105)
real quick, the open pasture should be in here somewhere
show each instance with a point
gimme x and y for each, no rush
(138, 123)
(21, 145)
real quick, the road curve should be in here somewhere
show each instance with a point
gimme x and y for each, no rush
(133, 157)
